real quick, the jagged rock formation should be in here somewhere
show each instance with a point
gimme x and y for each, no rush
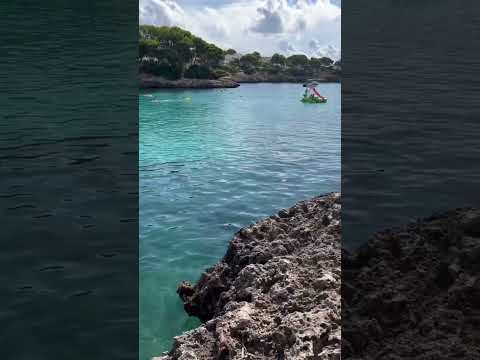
(275, 294)
(414, 293)
(409, 293)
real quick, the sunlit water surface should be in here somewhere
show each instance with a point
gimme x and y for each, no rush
(211, 162)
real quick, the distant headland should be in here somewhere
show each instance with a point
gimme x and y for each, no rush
(170, 57)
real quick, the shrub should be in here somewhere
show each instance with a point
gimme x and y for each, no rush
(198, 72)
(272, 69)
(163, 69)
(249, 70)
(218, 73)
(297, 72)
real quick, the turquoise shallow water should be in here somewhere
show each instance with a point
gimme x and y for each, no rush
(211, 162)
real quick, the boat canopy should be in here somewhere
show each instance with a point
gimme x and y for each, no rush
(310, 83)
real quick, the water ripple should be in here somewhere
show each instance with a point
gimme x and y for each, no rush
(213, 164)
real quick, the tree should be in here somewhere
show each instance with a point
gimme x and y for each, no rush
(322, 62)
(230, 52)
(278, 59)
(170, 51)
(254, 59)
(214, 55)
(146, 46)
(249, 63)
(326, 61)
(200, 50)
(170, 46)
(298, 60)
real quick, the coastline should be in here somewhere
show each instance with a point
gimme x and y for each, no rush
(262, 77)
(276, 292)
(148, 81)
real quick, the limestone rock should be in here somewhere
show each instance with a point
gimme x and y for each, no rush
(274, 295)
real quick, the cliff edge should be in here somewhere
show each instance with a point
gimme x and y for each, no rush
(275, 294)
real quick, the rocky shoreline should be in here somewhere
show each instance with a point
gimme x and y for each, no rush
(148, 81)
(286, 290)
(261, 77)
(275, 294)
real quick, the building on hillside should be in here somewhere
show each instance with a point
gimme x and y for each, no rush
(229, 58)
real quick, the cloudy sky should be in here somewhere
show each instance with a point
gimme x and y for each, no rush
(311, 27)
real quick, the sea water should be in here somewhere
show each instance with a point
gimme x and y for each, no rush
(211, 162)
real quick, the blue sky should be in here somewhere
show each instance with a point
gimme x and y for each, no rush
(311, 27)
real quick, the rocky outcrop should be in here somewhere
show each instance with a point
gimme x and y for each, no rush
(275, 294)
(147, 81)
(409, 293)
(414, 292)
(282, 77)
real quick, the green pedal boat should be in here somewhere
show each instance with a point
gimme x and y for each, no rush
(313, 99)
(311, 95)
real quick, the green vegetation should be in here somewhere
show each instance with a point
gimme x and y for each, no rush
(298, 61)
(278, 60)
(174, 53)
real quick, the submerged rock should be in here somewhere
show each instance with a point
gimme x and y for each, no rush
(275, 294)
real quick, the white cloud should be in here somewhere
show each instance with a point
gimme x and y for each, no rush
(270, 22)
(267, 26)
(285, 47)
(160, 12)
